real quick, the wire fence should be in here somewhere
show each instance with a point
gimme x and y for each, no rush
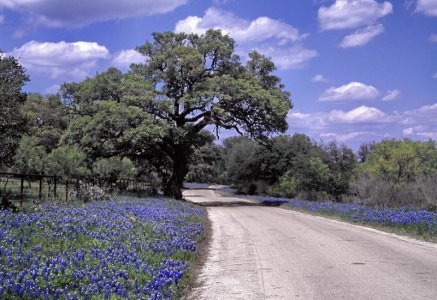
(23, 189)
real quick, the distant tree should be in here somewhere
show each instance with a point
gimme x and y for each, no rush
(242, 162)
(12, 124)
(365, 150)
(207, 164)
(47, 119)
(341, 162)
(401, 161)
(188, 82)
(114, 168)
(398, 173)
(67, 161)
(30, 156)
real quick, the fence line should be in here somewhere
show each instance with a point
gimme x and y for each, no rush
(21, 187)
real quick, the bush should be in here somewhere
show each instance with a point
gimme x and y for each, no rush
(375, 192)
(88, 192)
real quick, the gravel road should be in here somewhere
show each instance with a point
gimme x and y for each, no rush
(261, 252)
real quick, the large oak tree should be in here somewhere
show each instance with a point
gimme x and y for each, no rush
(187, 84)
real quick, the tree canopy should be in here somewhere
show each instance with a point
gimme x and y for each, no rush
(188, 82)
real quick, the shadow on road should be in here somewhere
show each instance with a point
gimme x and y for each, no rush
(233, 203)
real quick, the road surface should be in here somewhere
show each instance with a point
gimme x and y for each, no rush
(261, 252)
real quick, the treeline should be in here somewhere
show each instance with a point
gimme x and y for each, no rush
(389, 173)
(42, 149)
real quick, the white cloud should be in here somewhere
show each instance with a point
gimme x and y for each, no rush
(408, 131)
(241, 30)
(75, 59)
(293, 57)
(391, 95)
(362, 36)
(366, 123)
(58, 13)
(421, 132)
(347, 14)
(361, 114)
(319, 78)
(345, 137)
(271, 37)
(426, 114)
(433, 38)
(349, 92)
(124, 58)
(427, 7)
(2, 19)
(434, 75)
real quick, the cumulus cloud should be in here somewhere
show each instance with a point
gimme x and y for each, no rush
(56, 59)
(124, 58)
(361, 114)
(319, 78)
(58, 13)
(348, 14)
(391, 95)
(241, 30)
(364, 122)
(362, 36)
(349, 92)
(427, 7)
(271, 37)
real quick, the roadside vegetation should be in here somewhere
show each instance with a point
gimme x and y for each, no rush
(387, 174)
(404, 220)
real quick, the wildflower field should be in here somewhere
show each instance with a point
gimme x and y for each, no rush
(129, 249)
(405, 219)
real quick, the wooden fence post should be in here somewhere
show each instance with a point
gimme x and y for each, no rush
(40, 189)
(22, 191)
(66, 190)
(54, 187)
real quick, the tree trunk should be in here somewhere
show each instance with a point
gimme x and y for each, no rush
(174, 185)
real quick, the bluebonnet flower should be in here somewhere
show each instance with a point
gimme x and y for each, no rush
(125, 249)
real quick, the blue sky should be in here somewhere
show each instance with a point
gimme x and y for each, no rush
(358, 70)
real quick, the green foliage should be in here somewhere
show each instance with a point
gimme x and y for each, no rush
(288, 166)
(401, 161)
(31, 156)
(113, 168)
(67, 161)
(47, 119)
(12, 124)
(397, 173)
(206, 165)
(115, 129)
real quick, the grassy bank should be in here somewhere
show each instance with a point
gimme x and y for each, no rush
(409, 221)
(127, 249)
